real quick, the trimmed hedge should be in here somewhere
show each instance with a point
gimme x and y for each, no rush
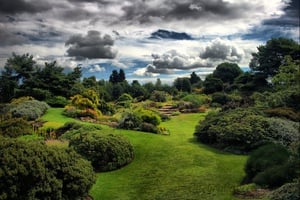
(105, 151)
(31, 170)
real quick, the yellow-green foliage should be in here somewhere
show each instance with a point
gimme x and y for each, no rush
(21, 99)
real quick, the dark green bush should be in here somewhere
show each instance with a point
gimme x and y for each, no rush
(140, 119)
(57, 101)
(31, 170)
(242, 130)
(147, 127)
(235, 130)
(105, 151)
(220, 98)
(289, 191)
(130, 121)
(30, 110)
(15, 127)
(269, 165)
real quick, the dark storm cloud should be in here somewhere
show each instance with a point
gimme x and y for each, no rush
(76, 14)
(90, 1)
(22, 6)
(219, 50)
(165, 34)
(144, 12)
(91, 46)
(7, 38)
(282, 26)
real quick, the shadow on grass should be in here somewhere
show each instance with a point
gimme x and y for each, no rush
(209, 148)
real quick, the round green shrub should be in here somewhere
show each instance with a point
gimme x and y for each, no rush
(130, 121)
(57, 101)
(32, 170)
(105, 151)
(242, 130)
(235, 130)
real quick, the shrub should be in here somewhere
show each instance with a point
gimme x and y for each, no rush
(15, 127)
(220, 98)
(30, 110)
(69, 130)
(159, 96)
(242, 130)
(284, 112)
(57, 101)
(282, 131)
(288, 191)
(68, 126)
(148, 116)
(269, 166)
(105, 151)
(147, 127)
(31, 170)
(233, 130)
(125, 100)
(130, 121)
(196, 100)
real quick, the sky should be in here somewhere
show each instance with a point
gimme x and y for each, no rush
(148, 39)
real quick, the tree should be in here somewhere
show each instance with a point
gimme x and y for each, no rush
(116, 77)
(271, 55)
(121, 77)
(31, 170)
(194, 78)
(17, 70)
(227, 72)
(183, 84)
(212, 84)
(288, 74)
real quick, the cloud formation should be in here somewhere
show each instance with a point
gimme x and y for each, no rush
(222, 50)
(91, 46)
(22, 6)
(171, 61)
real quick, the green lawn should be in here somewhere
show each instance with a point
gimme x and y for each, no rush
(169, 167)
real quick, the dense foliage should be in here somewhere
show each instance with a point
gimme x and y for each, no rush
(270, 166)
(30, 170)
(105, 151)
(140, 119)
(289, 191)
(30, 109)
(244, 130)
(15, 127)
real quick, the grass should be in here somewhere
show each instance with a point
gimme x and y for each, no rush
(168, 167)
(172, 167)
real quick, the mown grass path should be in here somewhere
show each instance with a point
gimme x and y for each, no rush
(172, 167)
